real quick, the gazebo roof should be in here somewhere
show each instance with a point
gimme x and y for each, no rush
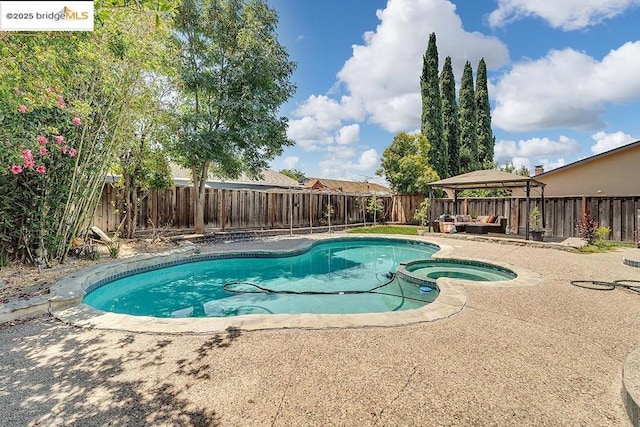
(486, 179)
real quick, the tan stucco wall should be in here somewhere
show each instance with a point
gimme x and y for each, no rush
(616, 174)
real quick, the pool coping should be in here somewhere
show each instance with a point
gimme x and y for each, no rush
(630, 388)
(67, 306)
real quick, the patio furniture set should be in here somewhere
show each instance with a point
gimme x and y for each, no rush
(465, 223)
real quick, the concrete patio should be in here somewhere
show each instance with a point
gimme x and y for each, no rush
(549, 354)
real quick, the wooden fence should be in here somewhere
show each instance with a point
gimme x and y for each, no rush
(620, 214)
(253, 209)
(242, 209)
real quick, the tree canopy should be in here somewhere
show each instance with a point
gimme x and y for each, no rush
(235, 76)
(451, 132)
(484, 134)
(405, 164)
(292, 173)
(431, 125)
(468, 141)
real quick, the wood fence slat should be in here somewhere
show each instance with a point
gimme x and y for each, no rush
(616, 226)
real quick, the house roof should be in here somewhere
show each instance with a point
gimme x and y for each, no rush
(590, 159)
(349, 186)
(486, 179)
(268, 178)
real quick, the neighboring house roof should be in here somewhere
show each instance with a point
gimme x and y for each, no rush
(268, 179)
(346, 186)
(590, 159)
(486, 179)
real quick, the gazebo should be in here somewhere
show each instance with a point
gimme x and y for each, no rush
(490, 179)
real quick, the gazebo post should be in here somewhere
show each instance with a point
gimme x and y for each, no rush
(526, 223)
(430, 208)
(455, 202)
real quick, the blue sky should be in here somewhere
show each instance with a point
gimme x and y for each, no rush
(564, 77)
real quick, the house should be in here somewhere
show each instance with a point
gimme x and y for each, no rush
(269, 179)
(323, 184)
(612, 173)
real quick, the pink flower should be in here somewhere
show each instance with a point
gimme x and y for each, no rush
(27, 155)
(22, 108)
(59, 139)
(77, 121)
(64, 149)
(42, 140)
(72, 152)
(61, 103)
(43, 151)
(41, 169)
(16, 91)
(16, 169)
(28, 163)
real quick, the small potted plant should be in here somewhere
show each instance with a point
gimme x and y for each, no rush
(537, 233)
(422, 215)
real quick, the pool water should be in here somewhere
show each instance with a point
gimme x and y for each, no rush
(465, 270)
(195, 289)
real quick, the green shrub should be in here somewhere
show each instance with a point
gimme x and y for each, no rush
(114, 247)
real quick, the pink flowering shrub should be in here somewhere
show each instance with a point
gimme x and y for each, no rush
(38, 155)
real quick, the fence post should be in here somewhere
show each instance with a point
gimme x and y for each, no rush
(223, 211)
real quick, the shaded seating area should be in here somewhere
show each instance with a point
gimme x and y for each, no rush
(482, 179)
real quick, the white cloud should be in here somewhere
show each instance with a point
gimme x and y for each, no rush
(348, 134)
(290, 162)
(384, 72)
(320, 116)
(342, 152)
(609, 141)
(382, 77)
(565, 14)
(535, 151)
(566, 88)
(546, 164)
(328, 112)
(340, 168)
(308, 133)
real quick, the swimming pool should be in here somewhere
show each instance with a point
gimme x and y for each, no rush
(341, 276)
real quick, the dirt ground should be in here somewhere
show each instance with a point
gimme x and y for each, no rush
(22, 282)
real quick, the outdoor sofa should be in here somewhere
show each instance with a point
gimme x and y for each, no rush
(480, 225)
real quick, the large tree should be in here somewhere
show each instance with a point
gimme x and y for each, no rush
(451, 132)
(431, 126)
(484, 133)
(468, 142)
(405, 164)
(235, 75)
(142, 161)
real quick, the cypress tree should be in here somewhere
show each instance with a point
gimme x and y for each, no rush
(451, 130)
(432, 109)
(484, 134)
(468, 142)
